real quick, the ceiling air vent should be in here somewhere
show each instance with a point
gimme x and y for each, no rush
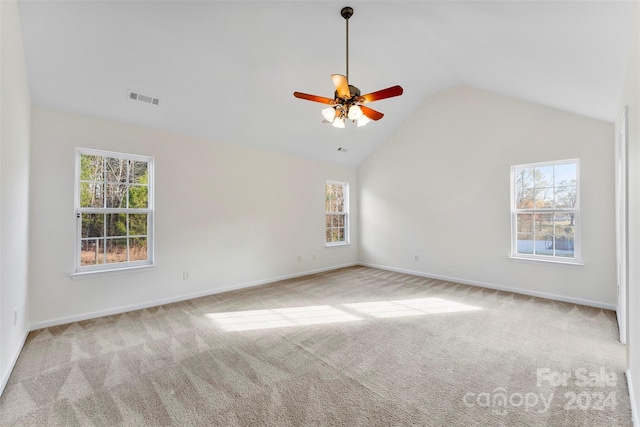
(144, 98)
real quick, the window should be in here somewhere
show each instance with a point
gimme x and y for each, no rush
(337, 213)
(114, 210)
(545, 211)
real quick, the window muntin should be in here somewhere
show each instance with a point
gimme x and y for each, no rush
(114, 210)
(337, 213)
(545, 210)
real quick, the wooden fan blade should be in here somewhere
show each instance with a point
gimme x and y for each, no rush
(389, 92)
(372, 114)
(314, 98)
(342, 86)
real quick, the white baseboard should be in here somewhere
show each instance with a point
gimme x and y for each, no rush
(634, 409)
(545, 295)
(7, 373)
(124, 309)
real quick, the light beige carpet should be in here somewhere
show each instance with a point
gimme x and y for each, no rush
(351, 347)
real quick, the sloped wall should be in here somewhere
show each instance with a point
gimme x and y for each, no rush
(439, 189)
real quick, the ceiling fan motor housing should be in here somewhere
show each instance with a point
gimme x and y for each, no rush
(355, 94)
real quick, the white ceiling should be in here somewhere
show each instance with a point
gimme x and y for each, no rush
(226, 70)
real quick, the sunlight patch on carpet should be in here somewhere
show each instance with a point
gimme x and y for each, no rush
(322, 314)
(280, 317)
(409, 307)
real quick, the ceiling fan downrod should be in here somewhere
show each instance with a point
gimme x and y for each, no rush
(347, 12)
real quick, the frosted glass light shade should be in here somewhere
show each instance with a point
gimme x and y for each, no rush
(363, 121)
(329, 114)
(339, 122)
(355, 112)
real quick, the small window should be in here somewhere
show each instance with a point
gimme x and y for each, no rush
(545, 211)
(337, 213)
(114, 210)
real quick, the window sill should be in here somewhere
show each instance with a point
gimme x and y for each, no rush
(334, 244)
(572, 263)
(111, 272)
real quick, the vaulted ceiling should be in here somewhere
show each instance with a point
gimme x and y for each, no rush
(226, 70)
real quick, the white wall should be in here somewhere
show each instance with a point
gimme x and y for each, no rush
(631, 98)
(15, 111)
(440, 188)
(230, 216)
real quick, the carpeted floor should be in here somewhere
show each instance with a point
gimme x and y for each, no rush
(351, 347)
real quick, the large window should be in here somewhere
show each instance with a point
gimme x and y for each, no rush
(114, 210)
(545, 211)
(337, 213)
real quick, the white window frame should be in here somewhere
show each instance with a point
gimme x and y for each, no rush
(345, 212)
(81, 270)
(576, 211)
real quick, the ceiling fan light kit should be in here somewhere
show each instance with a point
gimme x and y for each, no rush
(347, 101)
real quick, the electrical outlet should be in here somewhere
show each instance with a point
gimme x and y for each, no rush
(313, 257)
(185, 275)
(417, 258)
(299, 258)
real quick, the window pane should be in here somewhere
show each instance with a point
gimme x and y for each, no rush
(335, 197)
(138, 172)
(115, 196)
(337, 235)
(524, 178)
(565, 229)
(337, 191)
(116, 224)
(137, 224)
(543, 176)
(116, 250)
(565, 174)
(544, 244)
(92, 252)
(524, 198)
(91, 195)
(91, 168)
(334, 202)
(336, 219)
(544, 198)
(328, 197)
(525, 243)
(564, 222)
(92, 225)
(138, 249)
(138, 196)
(543, 224)
(566, 197)
(116, 170)
(524, 223)
(564, 246)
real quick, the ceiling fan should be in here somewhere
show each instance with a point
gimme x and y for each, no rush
(347, 101)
